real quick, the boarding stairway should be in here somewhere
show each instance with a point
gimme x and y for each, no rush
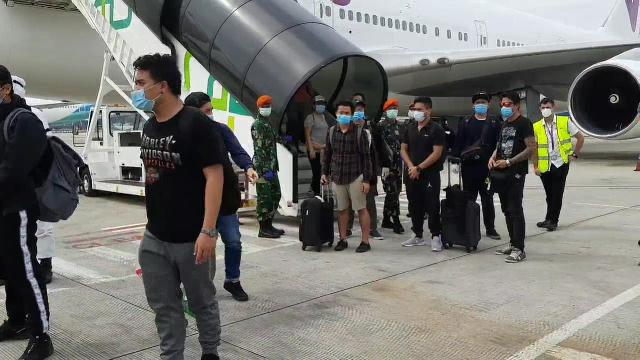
(290, 50)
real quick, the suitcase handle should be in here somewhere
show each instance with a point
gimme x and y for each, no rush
(449, 161)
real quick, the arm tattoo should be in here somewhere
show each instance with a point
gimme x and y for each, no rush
(526, 153)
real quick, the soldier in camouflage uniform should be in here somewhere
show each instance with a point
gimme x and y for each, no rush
(392, 166)
(265, 159)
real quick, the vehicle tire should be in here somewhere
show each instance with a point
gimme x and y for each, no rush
(87, 184)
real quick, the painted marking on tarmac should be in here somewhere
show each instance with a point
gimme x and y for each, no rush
(609, 206)
(123, 227)
(569, 329)
(128, 230)
(564, 353)
(79, 273)
(3, 294)
(111, 254)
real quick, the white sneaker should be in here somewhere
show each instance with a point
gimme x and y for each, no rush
(436, 244)
(415, 241)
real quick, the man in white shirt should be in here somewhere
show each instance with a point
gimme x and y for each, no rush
(555, 151)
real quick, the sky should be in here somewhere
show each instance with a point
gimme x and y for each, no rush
(588, 14)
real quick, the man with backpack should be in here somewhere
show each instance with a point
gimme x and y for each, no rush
(347, 164)
(476, 139)
(23, 144)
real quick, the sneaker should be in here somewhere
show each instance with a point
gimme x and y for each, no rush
(10, 332)
(516, 256)
(398, 229)
(341, 245)
(349, 233)
(436, 244)
(505, 251)
(551, 226)
(542, 224)
(376, 235)
(236, 290)
(47, 274)
(415, 241)
(39, 348)
(493, 234)
(363, 247)
(210, 357)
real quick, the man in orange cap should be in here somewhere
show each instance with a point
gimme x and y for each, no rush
(391, 167)
(265, 159)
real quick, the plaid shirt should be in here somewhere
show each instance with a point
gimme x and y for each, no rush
(344, 160)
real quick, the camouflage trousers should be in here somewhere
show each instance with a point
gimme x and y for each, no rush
(268, 199)
(392, 185)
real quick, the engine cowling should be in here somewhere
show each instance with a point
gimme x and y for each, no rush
(604, 99)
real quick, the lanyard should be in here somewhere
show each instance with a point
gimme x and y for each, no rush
(550, 135)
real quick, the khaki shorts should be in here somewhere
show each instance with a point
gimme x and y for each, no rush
(350, 195)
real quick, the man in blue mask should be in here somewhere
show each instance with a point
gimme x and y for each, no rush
(347, 165)
(476, 139)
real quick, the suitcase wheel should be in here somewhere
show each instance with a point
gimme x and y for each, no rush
(319, 248)
(304, 247)
(468, 249)
(330, 244)
(475, 248)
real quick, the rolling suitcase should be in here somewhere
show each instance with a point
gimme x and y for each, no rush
(316, 221)
(460, 216)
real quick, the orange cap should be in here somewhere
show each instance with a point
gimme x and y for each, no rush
(390, 103)
(264, 101)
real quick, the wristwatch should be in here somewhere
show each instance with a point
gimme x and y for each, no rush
(213, 233)
(508, 163)
(575, 156)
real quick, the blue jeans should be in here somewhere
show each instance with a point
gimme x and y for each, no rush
(229, 229)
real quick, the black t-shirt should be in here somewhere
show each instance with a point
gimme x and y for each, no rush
(421, 143)
(511, 142)
(174, 153)
(469, 133)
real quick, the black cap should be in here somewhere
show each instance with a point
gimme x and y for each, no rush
(359, 103)
(481, 95)
(5, 76)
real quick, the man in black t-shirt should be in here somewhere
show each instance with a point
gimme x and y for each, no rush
(510, 165)
(184, 159)
(475, 141)
(422, 150)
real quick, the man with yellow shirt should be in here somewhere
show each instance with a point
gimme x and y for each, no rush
(555, 151)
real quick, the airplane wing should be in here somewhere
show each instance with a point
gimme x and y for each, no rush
(550, 69)
(53, 105)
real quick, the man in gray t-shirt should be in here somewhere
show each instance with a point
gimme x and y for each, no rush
(316, 126)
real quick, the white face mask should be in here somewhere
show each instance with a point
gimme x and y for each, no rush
(547, 112)
(211, 117)
(266, 112)
(410, 114)
(419, 116)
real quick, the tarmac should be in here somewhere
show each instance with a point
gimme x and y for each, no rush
(576, 297)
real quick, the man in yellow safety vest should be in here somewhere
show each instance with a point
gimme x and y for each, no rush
(555, 150)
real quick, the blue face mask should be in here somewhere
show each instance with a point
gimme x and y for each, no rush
(506, 112)
(141, 102)
(481, 109)
(344, 119)
(321, 108)
(358, 116)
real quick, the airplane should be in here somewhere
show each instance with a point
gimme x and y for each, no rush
(66, 116)
(446, 49)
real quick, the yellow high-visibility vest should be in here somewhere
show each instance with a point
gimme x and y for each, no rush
(564, 137)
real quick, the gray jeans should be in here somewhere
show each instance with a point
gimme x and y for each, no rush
(164, 267)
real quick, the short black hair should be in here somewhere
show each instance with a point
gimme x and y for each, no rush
(359, 94)
(481, 95)
(424, 100)
(197, 99)
(547, 101)
(513, 96)
(5, 76)
(161, 68)
(346, 103)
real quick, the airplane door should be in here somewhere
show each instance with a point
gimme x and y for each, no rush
(482, 35)
(324, 10)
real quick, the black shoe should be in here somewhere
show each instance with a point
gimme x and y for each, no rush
(47, 274)
(39, 348)
(386, 223)
(236, 290)
(266, 232)
(398, 229)
(2, 282)
(551, 226)
(273, 229)
(543, 224)
(10, 332)
(409, 215)
(341, 245)
(493, 234)
(363, 247)
(210, 357)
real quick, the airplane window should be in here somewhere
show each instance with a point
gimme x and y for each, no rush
(508, 43)
(350, 15)
(367, 18)
(504, 43)
(383, 21)
(390, 23)
(448, 34)
(466, 37)
(459, 36)
(342, 14)
(424, 29)
(321, 11)
(375, 20)
(498, 42)
(418, 28)
(485, 40)
(437, 31)
(359, 16)
(404, 25)
(327, 10)
(411, 28)
(397, 24)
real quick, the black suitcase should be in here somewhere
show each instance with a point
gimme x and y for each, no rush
(316, 222)
(460, 216)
